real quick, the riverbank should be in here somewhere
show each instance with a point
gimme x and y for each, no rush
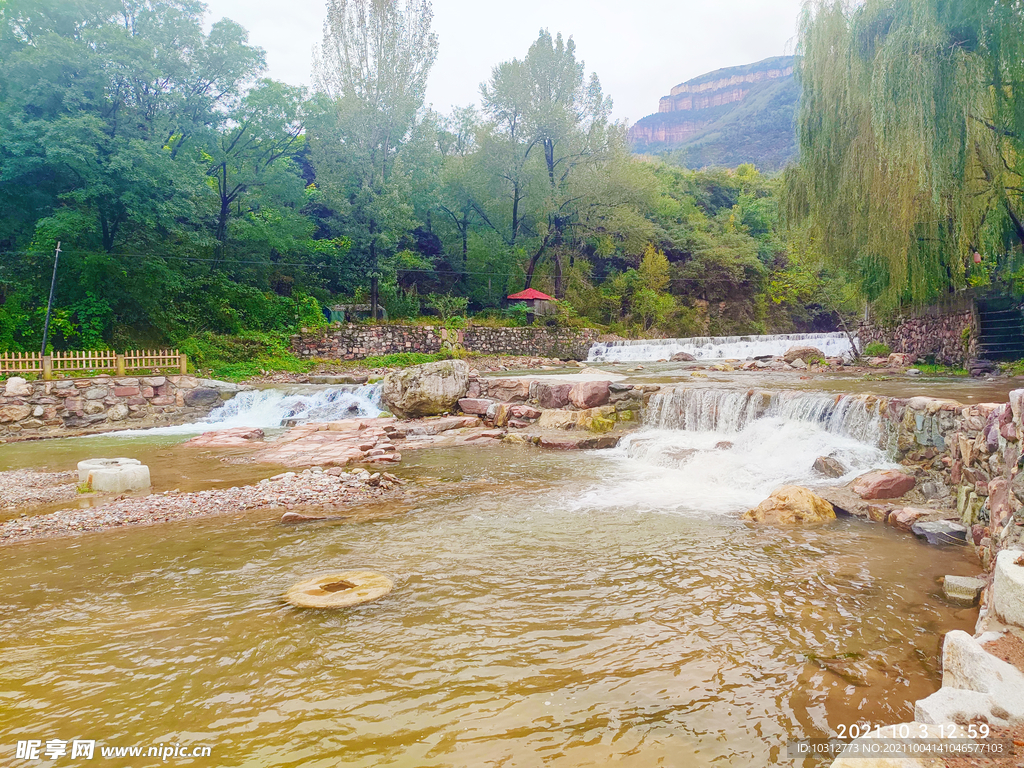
(331, 492)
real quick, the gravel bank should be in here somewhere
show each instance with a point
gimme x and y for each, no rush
(312, 489)
(26, 488)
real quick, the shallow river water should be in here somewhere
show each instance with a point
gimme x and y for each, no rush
(556, 609)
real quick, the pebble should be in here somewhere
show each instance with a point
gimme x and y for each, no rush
(28, 488)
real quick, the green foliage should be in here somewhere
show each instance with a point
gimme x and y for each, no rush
(877, 349)
(242, 356)
(448, 306)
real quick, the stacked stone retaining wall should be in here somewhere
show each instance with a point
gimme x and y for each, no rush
(75, 406)
(354, 342)
(951, 338)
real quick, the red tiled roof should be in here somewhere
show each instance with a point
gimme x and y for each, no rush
(531, 293)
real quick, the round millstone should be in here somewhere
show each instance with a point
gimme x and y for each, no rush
(340, 590)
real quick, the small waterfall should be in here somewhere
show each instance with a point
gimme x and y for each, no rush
(275, 408)
(720, 452)
(271, 408)
(728, 412)
(719, 347)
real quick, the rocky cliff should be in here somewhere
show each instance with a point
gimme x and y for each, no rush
(727, 117)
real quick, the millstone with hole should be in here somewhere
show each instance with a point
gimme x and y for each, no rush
(340, 590)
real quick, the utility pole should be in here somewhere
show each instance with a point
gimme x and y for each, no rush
(49, 305)
(374, 294)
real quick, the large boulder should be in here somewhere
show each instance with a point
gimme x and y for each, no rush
(556, 395)
(683, 357)
(426, 390)
(590, 394)
(805, 354)
(202, 397)
(792, 504)
(884, 484)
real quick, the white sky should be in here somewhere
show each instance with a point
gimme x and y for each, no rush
(638, 49)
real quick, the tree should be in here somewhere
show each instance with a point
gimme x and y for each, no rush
(910, 135)
(371, 74)
(543, 107)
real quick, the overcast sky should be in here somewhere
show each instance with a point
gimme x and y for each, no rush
(638, 49)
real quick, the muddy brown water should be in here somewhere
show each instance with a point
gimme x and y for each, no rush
(525, 629)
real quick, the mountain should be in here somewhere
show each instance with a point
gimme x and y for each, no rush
(726, 118)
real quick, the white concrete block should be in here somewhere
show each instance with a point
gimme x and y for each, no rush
(1008, 588)
(114, 475)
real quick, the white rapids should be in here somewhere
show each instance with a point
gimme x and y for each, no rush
(275, 408)
(719, 347)
(713, 452)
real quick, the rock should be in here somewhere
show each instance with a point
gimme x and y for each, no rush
(96, 393)
(227, 437)
(803, 354)
(934, 489)
(800, 365)
(589, 394)
(118, 412)
(913, 372)
(941, 532)
(1008, 587)
(202, 398)
(17, 387)
(829, 467)
(508, 390)
(525, 412)
(426, 390)
(883, 484)
(905, 519)
(578, 442)
(475, 405)
(683, 357)
(554, 395)
(975, 684)
(900, 360)
(978, 368)
(999, 501)
(963, 590)
(792, 504)
(10, 413)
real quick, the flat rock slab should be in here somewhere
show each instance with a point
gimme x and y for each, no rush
(578, 442)
(963, 590)
(940, 532)
(227, 438)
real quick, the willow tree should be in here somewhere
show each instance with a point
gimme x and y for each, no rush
(908, 140)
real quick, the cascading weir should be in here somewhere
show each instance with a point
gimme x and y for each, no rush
(719, 347)
(728, 412)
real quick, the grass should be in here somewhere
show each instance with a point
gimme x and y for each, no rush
(941, 370)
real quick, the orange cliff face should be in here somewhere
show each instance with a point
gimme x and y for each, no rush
(682, 113)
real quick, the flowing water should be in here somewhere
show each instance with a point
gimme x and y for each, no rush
(556, 609)
(719, 347)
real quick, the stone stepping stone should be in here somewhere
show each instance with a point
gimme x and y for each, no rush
(340, 590)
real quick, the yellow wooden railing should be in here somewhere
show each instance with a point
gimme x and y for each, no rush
(91, 361)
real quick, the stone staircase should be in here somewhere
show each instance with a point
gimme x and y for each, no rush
(1002, 329)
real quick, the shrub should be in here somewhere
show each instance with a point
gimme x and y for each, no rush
(877, 349)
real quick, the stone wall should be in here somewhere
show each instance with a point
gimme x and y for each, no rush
(74, 406)
(354, 342)
(927, 334)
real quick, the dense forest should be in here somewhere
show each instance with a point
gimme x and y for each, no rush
(191, 196)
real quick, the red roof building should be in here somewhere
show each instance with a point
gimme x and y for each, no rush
(538, 303)
(530, 294)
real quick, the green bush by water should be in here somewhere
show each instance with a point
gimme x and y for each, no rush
(877, 349)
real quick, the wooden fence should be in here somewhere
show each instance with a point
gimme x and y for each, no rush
(105, 361)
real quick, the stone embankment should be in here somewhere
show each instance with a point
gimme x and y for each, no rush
(332, 490)
(31, 409)
(354, 342)
(950, 337)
